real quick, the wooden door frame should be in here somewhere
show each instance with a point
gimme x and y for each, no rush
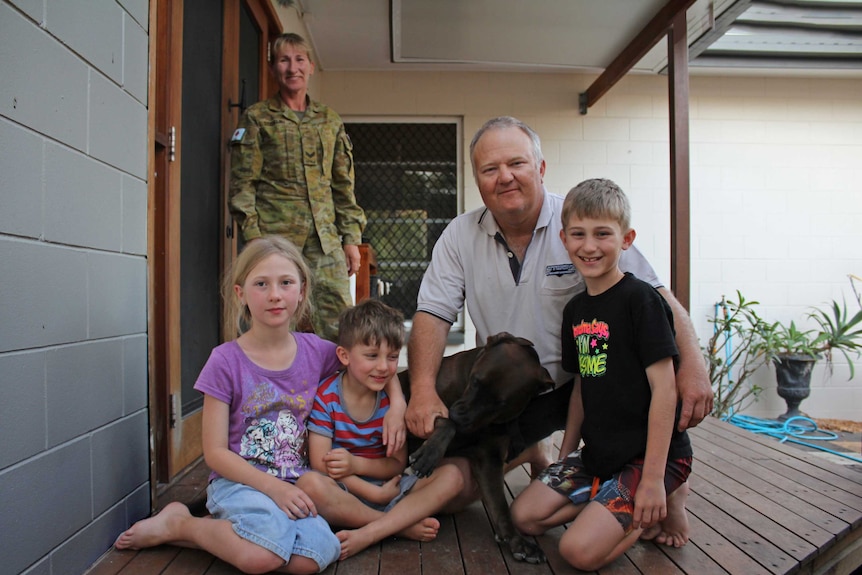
(173, 450)
(267, 20)
(165, 135)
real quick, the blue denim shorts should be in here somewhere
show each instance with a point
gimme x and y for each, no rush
(256, 518)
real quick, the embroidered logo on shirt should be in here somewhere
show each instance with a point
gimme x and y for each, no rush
(559, 269)
(237, 135)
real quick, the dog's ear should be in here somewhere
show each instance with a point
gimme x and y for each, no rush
(504, 336)
(524, 341)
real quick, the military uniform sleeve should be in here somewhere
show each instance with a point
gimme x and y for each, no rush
(349, 217)
(246, 161)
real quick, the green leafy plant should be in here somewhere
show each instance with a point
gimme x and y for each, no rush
(733, 353)
(837, 331)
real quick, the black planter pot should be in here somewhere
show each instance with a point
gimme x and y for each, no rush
(793, 373)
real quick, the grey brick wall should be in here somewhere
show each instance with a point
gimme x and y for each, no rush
(74, 458)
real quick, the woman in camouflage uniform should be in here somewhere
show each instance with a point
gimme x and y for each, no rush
(292, 175)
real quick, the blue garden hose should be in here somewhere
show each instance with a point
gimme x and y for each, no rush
(792, 430)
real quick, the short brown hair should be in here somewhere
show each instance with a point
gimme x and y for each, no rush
(371, 322)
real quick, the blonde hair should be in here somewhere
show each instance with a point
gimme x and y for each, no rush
(597, 198)
(291, 39)
(371, 322)
(254, 253)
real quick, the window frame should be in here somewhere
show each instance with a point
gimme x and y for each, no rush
(458, 326)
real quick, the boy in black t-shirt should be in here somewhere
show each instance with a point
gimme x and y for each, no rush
(630, 478)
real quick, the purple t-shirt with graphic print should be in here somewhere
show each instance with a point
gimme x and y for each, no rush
(268, 409)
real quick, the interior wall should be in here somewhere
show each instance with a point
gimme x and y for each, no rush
(776, 182)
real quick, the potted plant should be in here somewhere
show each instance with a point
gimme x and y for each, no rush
(794, 351)
(742, 342)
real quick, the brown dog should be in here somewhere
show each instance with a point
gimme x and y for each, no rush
(485, 389)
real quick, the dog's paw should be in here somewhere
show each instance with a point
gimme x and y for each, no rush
(424, 460)
(524, 550)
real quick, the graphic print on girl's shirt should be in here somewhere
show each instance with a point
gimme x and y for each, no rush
(274, 438)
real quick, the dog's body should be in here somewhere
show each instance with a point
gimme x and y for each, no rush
(485, 390)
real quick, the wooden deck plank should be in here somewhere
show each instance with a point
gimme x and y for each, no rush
(649, 560)
(443, 555)
(757, 465)
(806, 463)
(219, 567)
(723, 553)
(771, 530)
(190, 562)
(848, 471)
(750, 542)
(757, 507)
(400, 556)
(480, 552)
(798, 521)
(739, 469)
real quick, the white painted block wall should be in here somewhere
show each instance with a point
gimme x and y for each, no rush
(776, 178)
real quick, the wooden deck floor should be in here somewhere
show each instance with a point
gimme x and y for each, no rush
(757, 506)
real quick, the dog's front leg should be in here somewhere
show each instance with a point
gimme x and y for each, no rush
(488, 471)
(424, 460)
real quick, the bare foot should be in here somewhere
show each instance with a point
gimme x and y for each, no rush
(154, 530)
(673, 531)
(355, 540)
(425, 530)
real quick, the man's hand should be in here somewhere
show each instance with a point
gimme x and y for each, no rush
(692, 381)
(696, 394)
(422, 410)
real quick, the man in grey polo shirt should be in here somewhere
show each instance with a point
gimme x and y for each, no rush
(506, 262)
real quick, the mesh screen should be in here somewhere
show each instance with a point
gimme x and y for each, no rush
(407, 183)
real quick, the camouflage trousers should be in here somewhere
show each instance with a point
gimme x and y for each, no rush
(330, 292)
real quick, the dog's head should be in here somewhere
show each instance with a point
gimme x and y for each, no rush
(505, 376)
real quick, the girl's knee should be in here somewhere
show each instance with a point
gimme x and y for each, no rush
(259, 560)
(299, 565)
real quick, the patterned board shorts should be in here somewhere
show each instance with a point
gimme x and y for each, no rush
(568, 478)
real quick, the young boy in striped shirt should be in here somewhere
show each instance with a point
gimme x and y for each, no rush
(359, 486)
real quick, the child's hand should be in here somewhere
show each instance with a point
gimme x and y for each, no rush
(387, 492)
(650, 504)
(339, 463)
(292, 500)
(394, 428)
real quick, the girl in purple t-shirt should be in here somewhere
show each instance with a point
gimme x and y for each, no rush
(258, 393)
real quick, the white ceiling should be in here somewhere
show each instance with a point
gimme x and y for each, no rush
(557, 35)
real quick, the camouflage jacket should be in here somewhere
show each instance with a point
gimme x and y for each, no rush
(294, 177)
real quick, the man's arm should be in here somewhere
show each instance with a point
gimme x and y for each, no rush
(692, 380)
(424, 353)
